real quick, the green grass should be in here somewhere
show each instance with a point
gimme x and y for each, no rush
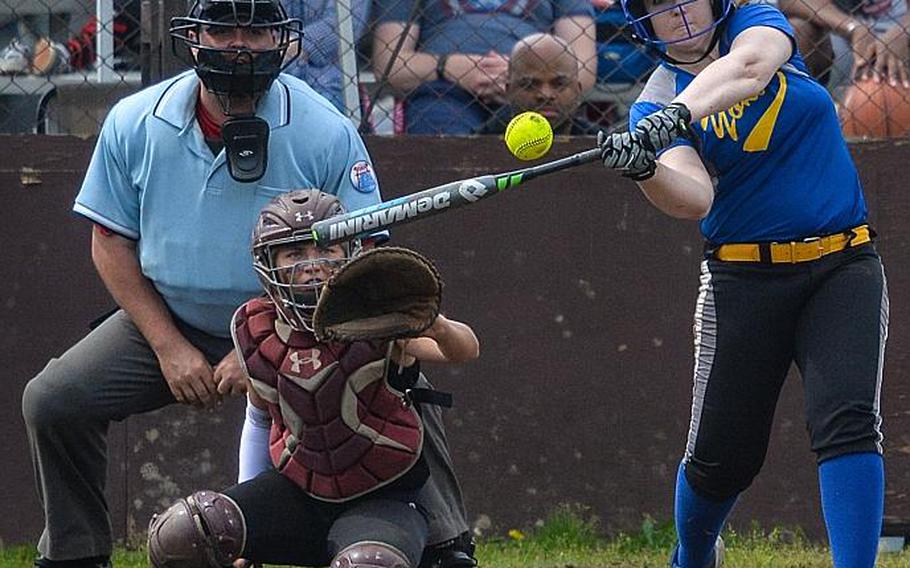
(571, 538)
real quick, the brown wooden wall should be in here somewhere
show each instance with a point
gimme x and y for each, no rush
(582, 295)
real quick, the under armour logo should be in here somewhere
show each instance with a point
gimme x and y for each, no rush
(308, 215)
(312, 359)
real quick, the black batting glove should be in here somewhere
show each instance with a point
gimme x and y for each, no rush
(659, 130)
(625, 153)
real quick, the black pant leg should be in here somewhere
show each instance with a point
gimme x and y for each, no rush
(284, 525)
(744, 329)
(840, 350)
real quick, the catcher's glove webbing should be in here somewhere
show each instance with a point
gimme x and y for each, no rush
(384, 293)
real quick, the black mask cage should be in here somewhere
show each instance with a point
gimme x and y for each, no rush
(236, 72)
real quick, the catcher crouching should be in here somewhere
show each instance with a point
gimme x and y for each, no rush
(362, 475)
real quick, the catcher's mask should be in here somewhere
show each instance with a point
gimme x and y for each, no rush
(639, 18)
(237, 69)
(283, 233)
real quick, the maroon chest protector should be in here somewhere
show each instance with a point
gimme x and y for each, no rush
(338, 429)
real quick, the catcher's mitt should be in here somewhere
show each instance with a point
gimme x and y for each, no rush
(384, 293)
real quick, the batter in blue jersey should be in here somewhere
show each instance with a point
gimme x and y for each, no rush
(732, 131)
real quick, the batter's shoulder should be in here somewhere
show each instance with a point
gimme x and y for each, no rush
(660, 88)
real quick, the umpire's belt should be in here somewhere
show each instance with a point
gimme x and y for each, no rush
(805, 250)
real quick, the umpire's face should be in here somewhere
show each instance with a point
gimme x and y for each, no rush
(240, 37)
(231, 55)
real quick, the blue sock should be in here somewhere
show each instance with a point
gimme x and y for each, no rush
(853, 494)
(698, 522)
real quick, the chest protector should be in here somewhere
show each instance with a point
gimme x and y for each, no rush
(339, 430)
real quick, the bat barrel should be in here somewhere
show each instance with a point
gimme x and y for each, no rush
(373, 219)
(426, 203)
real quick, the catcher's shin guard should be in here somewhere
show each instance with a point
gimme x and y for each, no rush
(204, 530)
(370, 555)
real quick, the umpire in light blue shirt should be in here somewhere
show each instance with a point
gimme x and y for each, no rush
(178, 176)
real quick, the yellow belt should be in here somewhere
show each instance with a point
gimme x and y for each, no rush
(797, 251)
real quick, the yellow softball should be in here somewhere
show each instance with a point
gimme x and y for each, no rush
(529, 136)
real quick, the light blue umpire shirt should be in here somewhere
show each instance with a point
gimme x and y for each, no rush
(152, 178)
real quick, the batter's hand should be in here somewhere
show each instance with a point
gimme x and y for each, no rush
(625, 152)
(230, 376)
(657, 131)
(188, 375)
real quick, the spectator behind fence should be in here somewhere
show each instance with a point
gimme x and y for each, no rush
(16, 57)
(869, 38)
(37, 54)
(319, 63)
(452, 64)
(543, 77)
(26, 52)
(125, 28)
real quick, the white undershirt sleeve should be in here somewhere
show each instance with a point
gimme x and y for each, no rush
(254, 443)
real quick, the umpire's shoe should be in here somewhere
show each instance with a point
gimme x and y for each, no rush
(717, 560)
(94, 562)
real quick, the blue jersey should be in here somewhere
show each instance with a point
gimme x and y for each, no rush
(152, 178)
(781, 165)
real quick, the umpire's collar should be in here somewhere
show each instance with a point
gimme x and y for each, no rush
(177, 104)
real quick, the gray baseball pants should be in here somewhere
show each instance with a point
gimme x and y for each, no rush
(110, 374)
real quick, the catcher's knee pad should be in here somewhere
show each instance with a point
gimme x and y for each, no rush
(204, 530)
(370, 555)
(718, 481)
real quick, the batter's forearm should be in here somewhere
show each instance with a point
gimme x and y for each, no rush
(722, 84)
(677, 194)
(755, 56)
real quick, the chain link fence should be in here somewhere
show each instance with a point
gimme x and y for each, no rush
(449, 67)
(65, 62)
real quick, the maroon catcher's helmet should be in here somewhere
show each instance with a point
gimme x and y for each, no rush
(285, 220)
